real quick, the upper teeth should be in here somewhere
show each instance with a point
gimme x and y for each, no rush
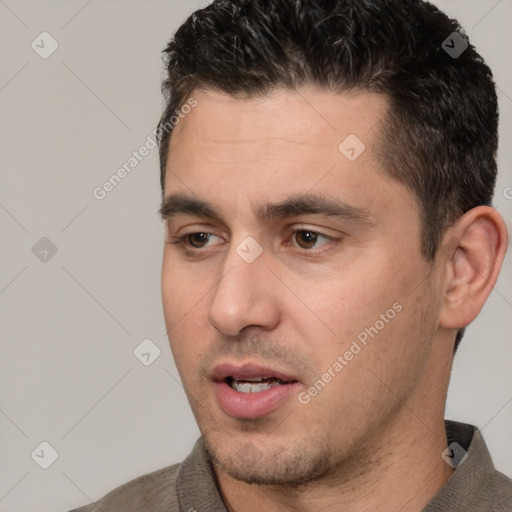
(246, 385)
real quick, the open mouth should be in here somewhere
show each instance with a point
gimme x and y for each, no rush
(251, 390)
(254, 384)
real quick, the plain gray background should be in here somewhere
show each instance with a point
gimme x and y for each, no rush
(70, 324)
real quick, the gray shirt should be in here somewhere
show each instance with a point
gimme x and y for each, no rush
(475, 485)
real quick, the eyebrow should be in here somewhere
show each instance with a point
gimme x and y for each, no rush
(293, 206)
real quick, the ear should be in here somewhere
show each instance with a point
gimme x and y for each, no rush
(474, 251)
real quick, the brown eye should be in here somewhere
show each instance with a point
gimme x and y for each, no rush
(306, 239)
(198, 240)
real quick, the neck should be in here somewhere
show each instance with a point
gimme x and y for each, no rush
(402, 471)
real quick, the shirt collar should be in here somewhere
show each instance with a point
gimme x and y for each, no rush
(469, 477)
(196, 485)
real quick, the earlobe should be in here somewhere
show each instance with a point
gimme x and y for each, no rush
(475, 249)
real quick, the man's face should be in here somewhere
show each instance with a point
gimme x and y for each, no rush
(339, 304)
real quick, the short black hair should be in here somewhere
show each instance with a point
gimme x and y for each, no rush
(440, 135)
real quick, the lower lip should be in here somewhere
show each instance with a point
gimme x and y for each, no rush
(252, 405)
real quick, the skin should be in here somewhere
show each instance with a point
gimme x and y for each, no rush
(372, 438)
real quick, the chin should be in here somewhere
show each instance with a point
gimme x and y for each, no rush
(291, 465)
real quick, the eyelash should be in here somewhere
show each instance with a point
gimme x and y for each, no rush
(180, 241)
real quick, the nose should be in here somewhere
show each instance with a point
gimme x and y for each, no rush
(246, 295)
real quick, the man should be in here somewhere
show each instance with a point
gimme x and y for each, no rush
(327, 171)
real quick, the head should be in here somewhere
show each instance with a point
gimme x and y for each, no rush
(362, 245)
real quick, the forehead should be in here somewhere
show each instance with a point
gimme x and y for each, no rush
(299, 127)
(252, 150)
(310, 116)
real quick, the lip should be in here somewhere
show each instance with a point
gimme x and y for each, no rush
(251, 405)
(248, 370)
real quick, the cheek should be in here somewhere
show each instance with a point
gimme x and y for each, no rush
(351, 303)
(181, 289)
(172, 288)
(182, 307)
(375, 359)
(189, 343)
(373, 301)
